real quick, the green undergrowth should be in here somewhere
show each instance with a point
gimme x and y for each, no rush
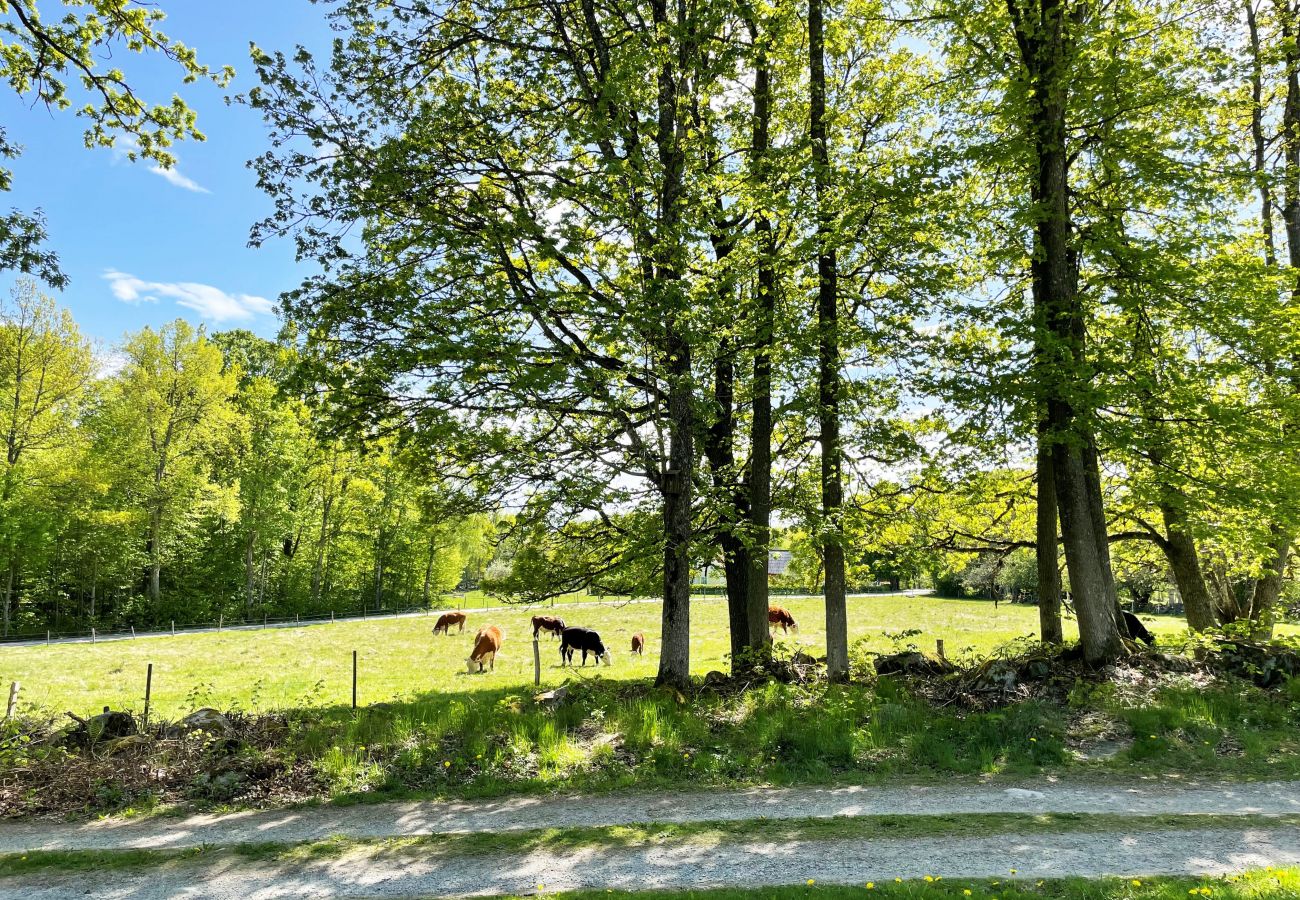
(630, 836)
(610, 735)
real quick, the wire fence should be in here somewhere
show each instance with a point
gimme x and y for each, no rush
(466, 602)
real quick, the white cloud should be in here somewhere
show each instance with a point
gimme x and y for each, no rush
(209, 302)
(174, 176)
(126, 149)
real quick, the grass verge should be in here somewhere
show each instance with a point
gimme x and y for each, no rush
(630, 836)
(1263, 884)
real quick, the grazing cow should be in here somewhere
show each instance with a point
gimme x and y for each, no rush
(776, 616)
(446, 620)
(486, 644)
(586, 640)
(553, 624)
(638, 644)
(1137, 630)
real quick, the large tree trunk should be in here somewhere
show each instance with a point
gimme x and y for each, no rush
(1185, 564)
(675, 652)
(719, 449)
(676, 481)
(760, 459)
(1267, 590)
(828, 362)
(1060, 336)
(1049, 568)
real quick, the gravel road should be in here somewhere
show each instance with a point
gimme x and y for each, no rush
(686, 865)
(398, 819)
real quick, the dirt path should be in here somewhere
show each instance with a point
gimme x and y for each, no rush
(398, 819)
(688, 865)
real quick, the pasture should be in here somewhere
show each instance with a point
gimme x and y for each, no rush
(425, 728)
(399, 659)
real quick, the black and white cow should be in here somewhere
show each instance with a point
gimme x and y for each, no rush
(586, 640)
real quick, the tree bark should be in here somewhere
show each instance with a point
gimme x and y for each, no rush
(828, 361)
(760, 459)
(1042, 34)
(676, 481)
(250, 570)
(10, 579)
(1049, 568)
(1267, 590)
(719, 449)
(1180, 551)
(675, 652)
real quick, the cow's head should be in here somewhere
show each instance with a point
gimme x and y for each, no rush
(473, 665)
(606, 658)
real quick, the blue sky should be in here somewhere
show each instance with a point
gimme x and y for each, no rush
(143, 248)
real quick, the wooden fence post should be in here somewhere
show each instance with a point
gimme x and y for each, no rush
(938, 644)
(13, 701)
(173, 628)
(354, 679)
(94, 639)
(133, 632)
(537, 662)
(148, 693)
(221, 620)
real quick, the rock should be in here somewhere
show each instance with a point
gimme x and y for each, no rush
(552, 699)
(911, 662)
(714, 678)
(997, 675)
(107, 726)
(1268, 665)
(207, 720)
(126, 744)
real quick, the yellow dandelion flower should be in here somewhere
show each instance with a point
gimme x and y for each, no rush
(1013, 871)
(966, 893)
(811, 882)
(871, 885)
(927, 878)
(898, 881)
(1033, 740)
(1135, 883)
(446, 764)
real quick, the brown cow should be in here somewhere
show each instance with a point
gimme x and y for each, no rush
(778, 616)
(446, 620)
(638, 644)
(553, 624)
(486, 644)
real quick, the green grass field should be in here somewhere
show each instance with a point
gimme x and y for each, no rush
(399, 659)
(427, 729)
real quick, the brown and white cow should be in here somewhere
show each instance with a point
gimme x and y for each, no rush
(486, 645)
(553, 624)
(638, 644)
(778, 617)
(446, 620)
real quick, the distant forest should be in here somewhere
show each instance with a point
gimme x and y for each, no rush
(178, 477)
